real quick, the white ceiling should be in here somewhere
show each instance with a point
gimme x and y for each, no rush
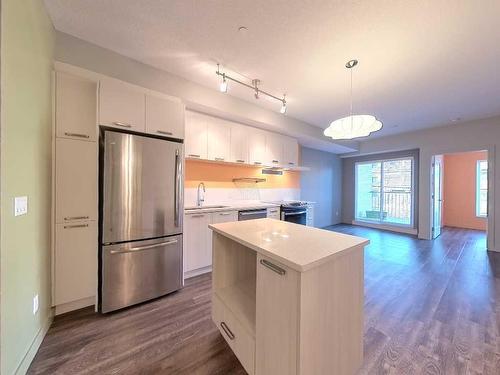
(422, 63)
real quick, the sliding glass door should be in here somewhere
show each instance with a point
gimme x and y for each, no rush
(384, 191)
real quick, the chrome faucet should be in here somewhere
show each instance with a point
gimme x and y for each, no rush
(201, 195)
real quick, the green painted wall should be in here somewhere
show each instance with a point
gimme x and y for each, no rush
(27, 42)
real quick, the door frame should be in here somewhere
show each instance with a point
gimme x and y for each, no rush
(436, 159)
(490, 233)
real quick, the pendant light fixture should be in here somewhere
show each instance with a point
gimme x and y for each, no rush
(353, 126)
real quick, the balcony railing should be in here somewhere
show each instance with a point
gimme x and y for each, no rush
(397, 206)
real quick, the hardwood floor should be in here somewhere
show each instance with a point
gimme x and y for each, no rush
(431, 307)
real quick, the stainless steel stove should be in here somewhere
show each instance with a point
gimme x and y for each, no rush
(293, 211)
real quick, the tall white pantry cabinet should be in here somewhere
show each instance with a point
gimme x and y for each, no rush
(74, 265)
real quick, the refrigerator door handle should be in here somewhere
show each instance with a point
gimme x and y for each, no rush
(141, 248)
(177, 191)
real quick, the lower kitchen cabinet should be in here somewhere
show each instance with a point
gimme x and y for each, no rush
(197, 246)
(198, 240)
(75, 262)
(273, 213)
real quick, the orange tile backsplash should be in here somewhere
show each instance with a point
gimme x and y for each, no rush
(221, 176)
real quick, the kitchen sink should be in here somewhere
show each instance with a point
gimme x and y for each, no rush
(203, 208)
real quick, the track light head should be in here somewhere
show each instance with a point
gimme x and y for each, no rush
(283, 106)
(223, 84)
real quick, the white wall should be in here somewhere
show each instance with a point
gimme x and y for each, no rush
(322, 184)
(89, 56)
(469, 136)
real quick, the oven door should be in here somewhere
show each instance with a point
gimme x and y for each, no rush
(297, 216)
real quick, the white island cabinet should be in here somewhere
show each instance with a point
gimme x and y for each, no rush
(288, 298)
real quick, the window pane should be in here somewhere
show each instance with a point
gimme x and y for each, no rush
(483, 203)
(397, 186)
(482, 188)
(368, 191)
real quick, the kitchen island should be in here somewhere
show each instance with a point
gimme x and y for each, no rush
(288, 298)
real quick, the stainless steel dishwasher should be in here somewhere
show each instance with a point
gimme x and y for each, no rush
(252, 214)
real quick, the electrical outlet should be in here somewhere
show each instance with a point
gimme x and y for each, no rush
(35, 304)
(20, 206)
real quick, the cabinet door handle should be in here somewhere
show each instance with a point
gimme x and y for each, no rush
(257, 162)
(225, 213)
(77, 135)
(194, 155)
(240, 161)
(227, 331)
(164, 132)
(76, 218)
(219, 159)
(273, 267)
(290, 163)
(276, 161)
(76, 226)
(122, 124)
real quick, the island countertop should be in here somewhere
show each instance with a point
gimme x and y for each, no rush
(297, 246)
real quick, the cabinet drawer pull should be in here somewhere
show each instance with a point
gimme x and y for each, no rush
(276, 161)
(76, 226)
(197, 215)
(76, 218)
(194, 156)
(273, 267)
(290, 163)
(123, 124)
(227, 331)
(163, 132)
(273, 211)
(240, 161)
(257, 162)
(77, 135)
(225, 213)
(219, 159)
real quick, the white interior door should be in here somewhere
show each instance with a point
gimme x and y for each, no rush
(437, 195)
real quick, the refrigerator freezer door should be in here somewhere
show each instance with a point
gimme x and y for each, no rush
(138, 271)
(142, 187)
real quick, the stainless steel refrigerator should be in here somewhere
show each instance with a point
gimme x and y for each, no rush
(141, 205)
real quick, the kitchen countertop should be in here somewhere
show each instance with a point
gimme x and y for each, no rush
(296, 246)
(234, 206)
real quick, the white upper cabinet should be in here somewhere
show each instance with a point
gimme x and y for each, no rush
(257, 146)
(75, 180)
(76, 107)
(274, 149)
(212, 138)
(121, 105)
(219, 139)
(239, 143)
(196, 135)
(164, 116)
(290, 152)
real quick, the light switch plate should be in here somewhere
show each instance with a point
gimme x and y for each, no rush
(20, 206)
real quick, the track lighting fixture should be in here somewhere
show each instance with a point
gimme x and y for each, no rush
(254, 86)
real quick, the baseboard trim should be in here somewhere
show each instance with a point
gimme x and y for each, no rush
(75, 305)
(197, 272)
(35, 345)
(392, 228)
